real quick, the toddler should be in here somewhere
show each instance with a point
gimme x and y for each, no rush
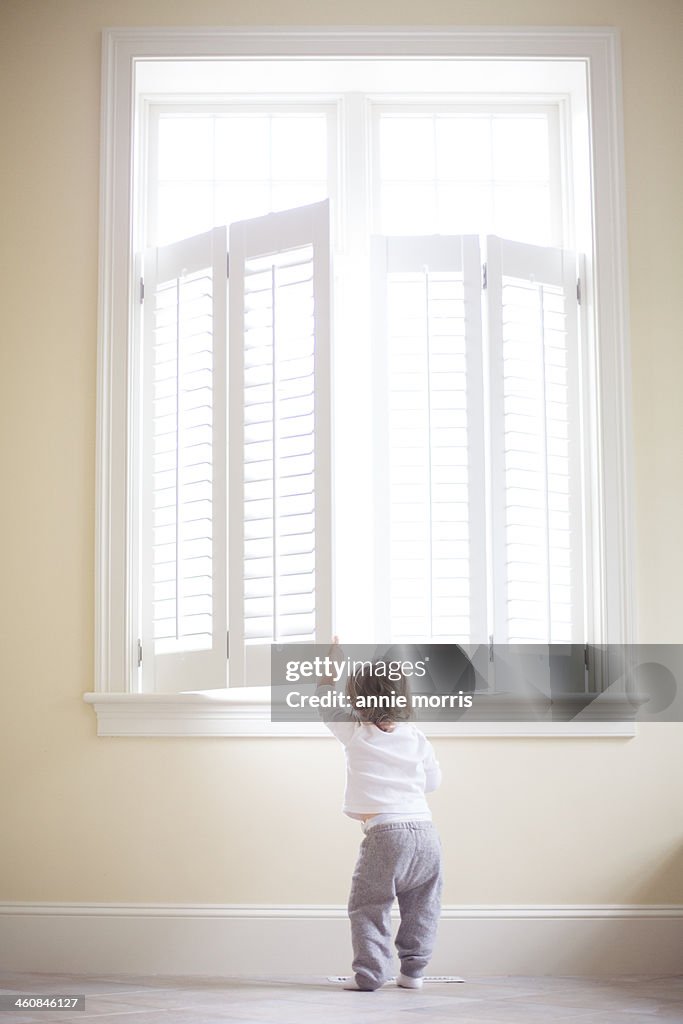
(390, 765)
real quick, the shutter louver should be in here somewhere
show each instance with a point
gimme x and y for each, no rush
(280, 530)
(279, 498)
(431, 573)
(535, 424)
(184, 444)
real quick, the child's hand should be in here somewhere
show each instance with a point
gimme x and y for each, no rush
(335, 652)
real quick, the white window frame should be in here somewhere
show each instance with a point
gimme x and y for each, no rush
(121, 710)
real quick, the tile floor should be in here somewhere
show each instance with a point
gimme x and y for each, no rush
(129, 999)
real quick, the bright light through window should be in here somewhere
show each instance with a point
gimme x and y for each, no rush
(445, 173)
(405, 172)
(435, 173)
(217, 168)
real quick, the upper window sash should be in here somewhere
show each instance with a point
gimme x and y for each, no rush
(459, 168)
(208, 188)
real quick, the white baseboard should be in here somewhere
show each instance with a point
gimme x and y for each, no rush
(234, 940)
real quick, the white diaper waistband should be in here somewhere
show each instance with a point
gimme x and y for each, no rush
(382, 819)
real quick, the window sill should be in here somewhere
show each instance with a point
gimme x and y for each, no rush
(246, 712)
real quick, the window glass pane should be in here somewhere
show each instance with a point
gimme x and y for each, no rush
(464, 209)
(297, 194)
(490, 173)
(520, 148)
(183, 210)
(185, 148)
(252, 163)
(408, 209)
(463, 148)
(243, 146)
(239, 200)
(407, 147)
(522, 213)
(299, 147)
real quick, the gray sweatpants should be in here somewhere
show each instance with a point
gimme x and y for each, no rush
(400, 859)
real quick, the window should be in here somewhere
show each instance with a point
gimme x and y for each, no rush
(415, 439)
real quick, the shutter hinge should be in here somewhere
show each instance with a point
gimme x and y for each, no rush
(484, 276)
(586, 657)
(491, 647)
(578, 290)
(139, 653)
(142, 290)
(227, 263)
(227, 645)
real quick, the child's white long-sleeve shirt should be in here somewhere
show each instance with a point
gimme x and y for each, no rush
(386, 772)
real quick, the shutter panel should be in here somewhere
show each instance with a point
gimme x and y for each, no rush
(535, 443)
(184, 465)
(430, 569)
(280, 536)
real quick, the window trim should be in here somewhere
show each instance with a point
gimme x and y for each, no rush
(245, 711)
(598, 50)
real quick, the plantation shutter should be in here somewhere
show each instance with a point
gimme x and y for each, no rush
(280, 535)
(532, 313)
(184, 457)
(430, 568)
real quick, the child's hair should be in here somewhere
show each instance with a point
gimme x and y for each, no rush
(366, 682)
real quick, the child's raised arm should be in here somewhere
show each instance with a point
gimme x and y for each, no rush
(335, 653)
(337, 719)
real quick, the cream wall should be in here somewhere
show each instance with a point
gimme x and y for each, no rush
(248, 821)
